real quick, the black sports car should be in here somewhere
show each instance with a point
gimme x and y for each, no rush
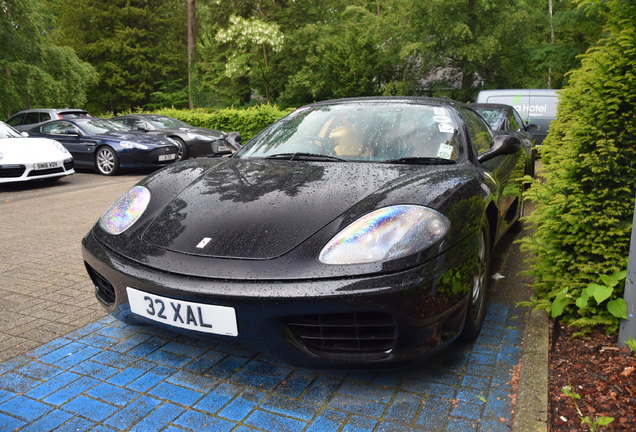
(101, 144)
(504, 118)
(351, 233)
(192, 141)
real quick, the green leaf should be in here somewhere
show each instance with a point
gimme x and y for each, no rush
(618, 308)
(558, 306)
(604, 421)
(600, 292)
(631, 343)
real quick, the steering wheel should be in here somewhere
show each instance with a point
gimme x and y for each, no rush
(320, 144)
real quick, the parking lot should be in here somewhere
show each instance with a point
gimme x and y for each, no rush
(68, 366)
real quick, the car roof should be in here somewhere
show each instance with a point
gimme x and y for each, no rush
(502, 107)
(389, 99)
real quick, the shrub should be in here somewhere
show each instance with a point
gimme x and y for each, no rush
(585, 202)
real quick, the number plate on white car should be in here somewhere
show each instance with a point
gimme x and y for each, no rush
(188, 315)
(46, 165)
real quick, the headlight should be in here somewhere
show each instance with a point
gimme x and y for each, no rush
(61, 148)
(386, 234)
(125, 211)
(131, 144)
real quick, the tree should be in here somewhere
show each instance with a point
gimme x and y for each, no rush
(138, 47)
(584, 205)
(33, 70)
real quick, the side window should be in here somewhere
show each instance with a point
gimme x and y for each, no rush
(478, 131)
(59, 128)
(32, 117)
(45, 117)
(15, 120)
(520, 122)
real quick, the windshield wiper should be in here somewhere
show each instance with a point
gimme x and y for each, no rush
(305, 156)
(414, 160)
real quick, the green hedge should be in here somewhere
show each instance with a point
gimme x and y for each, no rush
(248, 122)
(585, 202)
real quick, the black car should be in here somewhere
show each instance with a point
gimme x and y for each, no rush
(192, 141)
(27, 119)
(351, 233)
(504, 118)
(101, 144)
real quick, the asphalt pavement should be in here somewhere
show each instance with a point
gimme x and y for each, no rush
(66, 365)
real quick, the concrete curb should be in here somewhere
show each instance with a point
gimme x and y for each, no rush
(532, 397)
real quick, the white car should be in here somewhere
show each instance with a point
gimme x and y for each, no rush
(23, 158)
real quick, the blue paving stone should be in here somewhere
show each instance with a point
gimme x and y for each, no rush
(290, 408)
(486, 359)
(433, 389)
(49, 422)
(71, 390)
(147, 380)
(269, 421)
(132, 412)
(8, 423)
(404, 408)
(184, 349)
(90, 408)
(131, 373)
(469, 410)
(131, 342)
(359, 424)
(76, 424)
(476, 382)
(95, 370)
(52, 385)
(115, 332)
(357, 406)
(5, 395)
(159, 418)
(485, 370)
(367, 391)
(101, 428)
(486, 349)
(169, 359)
(205, 362)
(434, 413)
(173, 429)
(295, 384)
(69, 355)
(259, 381)
(98, 341)
(115, 359)
(39, 370)
(218, 398)
(86, 330)
(226, 367)
(392, 427)
(50, 347)
(461, 425)
(177, 394)
(471, 395)
(321, 390)
(244, 404)
(112, 394)
(494, 425)
(201, 422)
(498, 405)
(17, 383)
(388, 379)
(147, 347)
(362, 376)
(193, 381)
(328, 421)
(25, 408)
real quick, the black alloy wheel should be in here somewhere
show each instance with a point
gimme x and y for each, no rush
(106, 161)
(182, 149)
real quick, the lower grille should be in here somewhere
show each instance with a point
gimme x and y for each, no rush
(103, 289)
(366, 333)
(46, 171)
(68, 164)
(12, 171)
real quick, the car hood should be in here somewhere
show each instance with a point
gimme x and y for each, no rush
(211, 133)
(30, 150)
(261, 209)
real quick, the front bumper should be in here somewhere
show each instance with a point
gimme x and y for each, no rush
(29, 171)
(368, 321)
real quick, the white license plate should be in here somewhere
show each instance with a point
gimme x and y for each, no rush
(167, 157)
(223, 148)
(46, 165)
(188, 315)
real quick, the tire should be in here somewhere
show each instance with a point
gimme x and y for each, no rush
(106, 161)
(476, 310)
(182, 148)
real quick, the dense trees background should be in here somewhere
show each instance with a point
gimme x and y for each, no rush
(114, 55)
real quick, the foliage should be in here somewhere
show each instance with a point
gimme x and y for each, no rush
(631, 344)
(248, 122)
(592, 424)
(585, 202)
(35, 71)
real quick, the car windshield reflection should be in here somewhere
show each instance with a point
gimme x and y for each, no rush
(371, 132)
(100, 126)
(7, 131)
(167, 122)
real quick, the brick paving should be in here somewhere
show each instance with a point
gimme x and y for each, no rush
(68, 366)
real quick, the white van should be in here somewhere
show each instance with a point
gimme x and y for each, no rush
(537, 107)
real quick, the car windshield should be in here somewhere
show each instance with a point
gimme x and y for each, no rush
(7, 131)
(96, 126)
(393, 132)
(493, 117)
(166, 122)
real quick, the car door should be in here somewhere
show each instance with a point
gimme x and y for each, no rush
(81, 147)
(505, 168)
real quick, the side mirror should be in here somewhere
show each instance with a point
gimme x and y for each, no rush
(234, 140)
(24, 134)
(503, 144)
